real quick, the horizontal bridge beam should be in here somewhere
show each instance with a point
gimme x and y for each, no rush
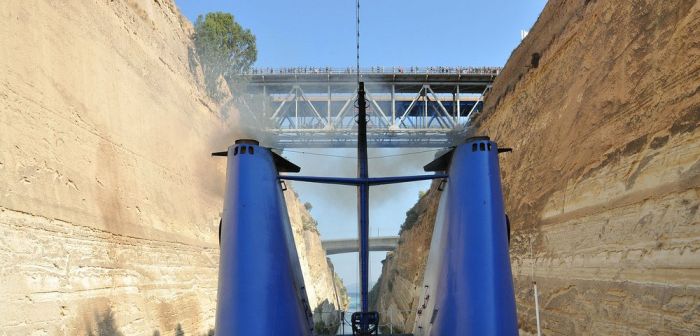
(323, 98)
(339, 246)
(312, 87)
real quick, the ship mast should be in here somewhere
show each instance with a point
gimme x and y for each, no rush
(363, 196)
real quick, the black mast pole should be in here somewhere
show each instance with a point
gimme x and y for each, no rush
(363, 196)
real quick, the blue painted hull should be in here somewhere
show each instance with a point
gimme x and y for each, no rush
(468, 287)
(261, 289)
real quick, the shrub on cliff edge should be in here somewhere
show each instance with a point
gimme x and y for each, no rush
(224, 49)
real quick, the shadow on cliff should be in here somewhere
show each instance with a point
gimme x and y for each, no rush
(180, 332)
(105, 325)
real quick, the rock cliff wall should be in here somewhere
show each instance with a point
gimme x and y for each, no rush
(109, 201)
(604, 180)
(395, 295)
(326, 292)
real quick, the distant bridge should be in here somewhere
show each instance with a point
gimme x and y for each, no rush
(338, 246)
(408, 107)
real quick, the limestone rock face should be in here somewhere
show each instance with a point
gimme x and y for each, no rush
(326, 292)
(604, 179)
(109, 202)
(109, 199)
(395, 295)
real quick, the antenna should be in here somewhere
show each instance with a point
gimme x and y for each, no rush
(357, 31)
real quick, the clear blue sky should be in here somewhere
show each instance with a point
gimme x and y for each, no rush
(393, 33)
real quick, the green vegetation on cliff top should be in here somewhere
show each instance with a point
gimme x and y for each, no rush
(224, 49)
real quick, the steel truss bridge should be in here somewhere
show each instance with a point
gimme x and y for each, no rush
(413, 107)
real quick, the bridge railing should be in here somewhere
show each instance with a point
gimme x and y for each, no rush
(469, 70)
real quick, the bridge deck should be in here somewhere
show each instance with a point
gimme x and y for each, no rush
(346, 82)
(338, 246)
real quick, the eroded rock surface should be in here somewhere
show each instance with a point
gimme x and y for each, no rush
(326, 292)
(604, 179)
(395, 295)
(109, 200)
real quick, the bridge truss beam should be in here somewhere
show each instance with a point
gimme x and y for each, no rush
(312, 110)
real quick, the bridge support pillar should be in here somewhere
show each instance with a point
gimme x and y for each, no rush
(393, 105)
(424, 123)
(328, 106)
(459, 108)
(296, 106)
